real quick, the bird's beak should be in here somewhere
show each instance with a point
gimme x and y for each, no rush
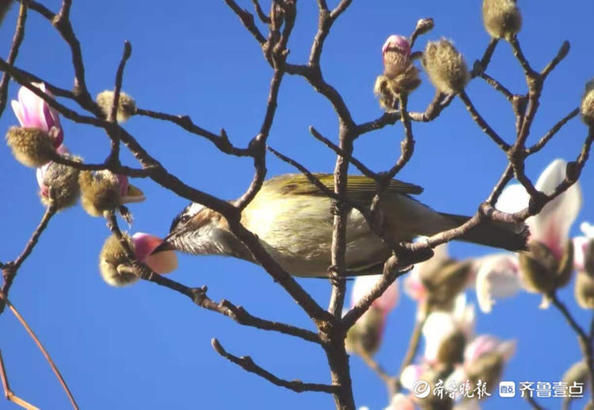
(164, 246)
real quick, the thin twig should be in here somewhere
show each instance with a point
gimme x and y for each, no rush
(551, 133)
(249, 365)
(8, 393)
(583, 337)
(10, 269)
(42, 349)
(19, 35)
(484, 126)
(413, 343)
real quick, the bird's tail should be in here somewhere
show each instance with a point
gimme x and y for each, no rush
(506, 235)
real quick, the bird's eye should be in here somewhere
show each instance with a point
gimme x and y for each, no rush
(185, 218)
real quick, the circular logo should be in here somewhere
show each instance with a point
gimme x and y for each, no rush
(421, 389)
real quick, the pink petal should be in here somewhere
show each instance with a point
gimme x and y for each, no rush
(580, 247)
(479, 346)
(437, 327)
(497, 277)
(397, 42)
(514, 198)
(123, 180)
(414, 287)
(551, 226)
(161, 262)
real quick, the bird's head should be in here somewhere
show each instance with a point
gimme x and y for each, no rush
(201, 231)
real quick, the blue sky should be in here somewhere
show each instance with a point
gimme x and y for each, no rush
(146, 347)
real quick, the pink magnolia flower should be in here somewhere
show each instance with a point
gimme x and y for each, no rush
(474, 368)
(42, 170)
(396, 55)
(161, 262)
(33, 112)
(440, 325)
(128, 192)
(581, 246)
(551, 226)
(414, 286)
(484, 344)
(498, 276)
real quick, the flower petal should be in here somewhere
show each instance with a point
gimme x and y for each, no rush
(551, 226)
(514, 198)
(497, 277)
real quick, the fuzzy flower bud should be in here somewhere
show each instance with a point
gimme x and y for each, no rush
(126, 105)
(577, 373)
(502, 18)
(445, 66)
(400, 75)
(59, 180)
(32, 147)
(114, 265)
(424, 26)
(103, 191)
(365, 336)
(584, 290)
(541, 271)
(118, 270)
(587, 105)
(33, 112)
(396, 55)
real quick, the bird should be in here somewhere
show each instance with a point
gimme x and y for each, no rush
(293, 220)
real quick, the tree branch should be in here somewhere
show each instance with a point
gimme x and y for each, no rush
(248, 365)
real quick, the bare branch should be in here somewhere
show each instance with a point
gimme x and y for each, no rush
(484, 126)
(247, 19)
(551, 133)
(358, 164)
(497, 86)
(263, 17)
(561, 54)
(41, 348)
(8, 393)
(248, 364)
(583, 338)
(17, 40)
(10, 269)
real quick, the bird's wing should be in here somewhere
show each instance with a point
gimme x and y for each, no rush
(359, 187)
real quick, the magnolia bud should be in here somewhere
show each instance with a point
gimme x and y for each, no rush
(584, 290)
(32, 147)
(126, 105)
(103, 191)
(115, 266)
(365, 336)
(446, 282)
(577, 373)
(502, 18)
(396, 53)
(445, 66)
(487, 368)
(61, 181)
(587, 106)
(424, 26)
(541, 271)
(451, 350)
